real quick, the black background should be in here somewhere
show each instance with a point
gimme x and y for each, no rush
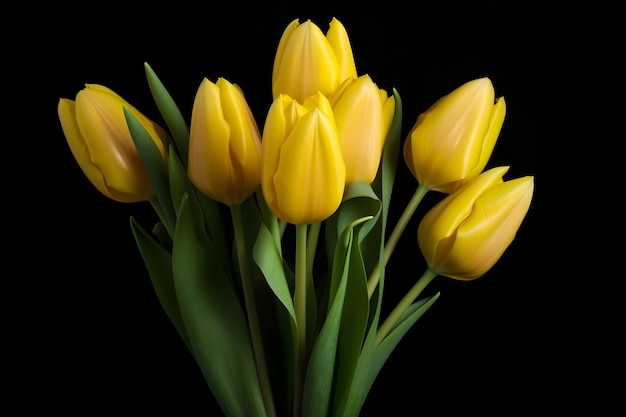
(91, 334)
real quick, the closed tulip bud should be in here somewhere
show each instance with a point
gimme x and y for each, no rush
(95, 128)
(224, 143)
(363, 113)
(466, 233)
(303, 173)
(306, 61)
(452, 141)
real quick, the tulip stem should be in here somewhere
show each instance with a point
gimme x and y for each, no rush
(410, 208)
(300, 305)
(251, 309)
(405, 303)
(311, 247)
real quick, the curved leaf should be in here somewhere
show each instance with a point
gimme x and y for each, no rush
(372, 359)
(405, 322)
(170, 112)
(269, 259)
(179, 181)
(383, 183)
(318, 381)
(158, 261)
(155, 166)
(214, 318)
(354, 322)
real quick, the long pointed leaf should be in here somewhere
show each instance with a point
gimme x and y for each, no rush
(270, 261)
(155, 165)
(214, 318)
(179, 181)
(321, 366)
(353, 324)
(373, 358)
(170, 112)
(158, 262)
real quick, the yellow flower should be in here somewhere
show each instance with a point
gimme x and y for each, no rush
(306, 61)
(224, 143)
(95, 129)
(452, 141)
(363, 113)
(303, 173)
(466, 233)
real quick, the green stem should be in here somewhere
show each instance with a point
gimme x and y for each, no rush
(405, 303)
(253, 319)
(311, 246)
(300, 305)
(410, 208)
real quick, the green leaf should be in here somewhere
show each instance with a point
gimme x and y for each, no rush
(155, 166)
(383, 187)
(350, 405)
(270, 220)
(170, 112)
(354, 321)
(179, 180)
(359, 201)
(373, 358)
(214, 317)
(217, 226)
(321, 367)
(276, 322)
(383, 183)
(406, 321)
(158, 262)
(269, 259)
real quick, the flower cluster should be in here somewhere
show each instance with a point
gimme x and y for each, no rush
(297, 331)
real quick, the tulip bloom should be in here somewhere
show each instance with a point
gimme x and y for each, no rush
(303, 173)
(452, 141)
(466, 233)
(306, 61)
(224, 143)
(363, 113)
(95, 128)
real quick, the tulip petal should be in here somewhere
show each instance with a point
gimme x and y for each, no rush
(360, 122)
(337, 37)
(489, 230)
(437, 228)
(101, 143)
(224, 144)
(80, 150)
(451, 142)
(307, 64)
(310, 176)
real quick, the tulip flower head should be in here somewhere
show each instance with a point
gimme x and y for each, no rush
(363, 113)
(95, 128)
(303, 172)
(306, 61)
(466, 233)
(452, 141)
(224, 143)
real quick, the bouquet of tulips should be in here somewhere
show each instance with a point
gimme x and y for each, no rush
(269, 256)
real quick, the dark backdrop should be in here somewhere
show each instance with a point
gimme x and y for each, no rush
(97, 339)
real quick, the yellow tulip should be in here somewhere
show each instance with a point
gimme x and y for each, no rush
(306, 61)
(452, 141)
(303, 173)
(224, 143)
(363, 113)
(466, 233)
(95, 128)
